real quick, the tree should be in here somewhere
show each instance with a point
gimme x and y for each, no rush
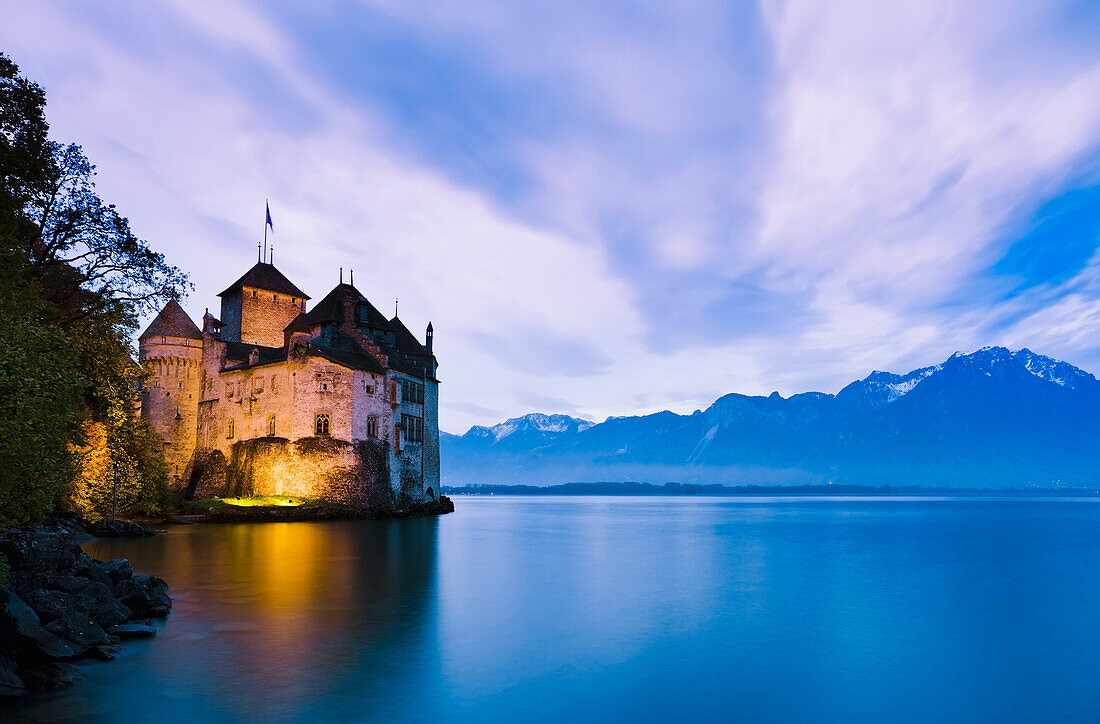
(75, 280)
(40, 401)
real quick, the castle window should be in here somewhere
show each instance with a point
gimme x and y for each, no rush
(271, 425)
(274, 297)
(164, 340)
(272, 383)
(181, 384)
(230, 429)
(412, 392)
(372, 426)
(253, 292)
(321, 423)
(397, 440)
(413, 427)
(370, 389)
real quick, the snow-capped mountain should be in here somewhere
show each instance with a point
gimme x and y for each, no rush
(990, 417)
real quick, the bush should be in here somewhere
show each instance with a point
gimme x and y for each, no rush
(121, 469)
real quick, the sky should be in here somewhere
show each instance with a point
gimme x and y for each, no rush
(612, 208)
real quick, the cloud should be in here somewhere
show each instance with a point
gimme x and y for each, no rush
(639, 206)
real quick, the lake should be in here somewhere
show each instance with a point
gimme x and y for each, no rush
(614, 608)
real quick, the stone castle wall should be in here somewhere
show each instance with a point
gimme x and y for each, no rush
(355, 474)
(170, 398)
(254, 316)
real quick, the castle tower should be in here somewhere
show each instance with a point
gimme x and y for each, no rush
(171, 350)
(258, 307)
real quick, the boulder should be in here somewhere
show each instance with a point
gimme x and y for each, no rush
(117, 569)
(145, 596)
(134, 631)
(79, 629)
(66, 583)
(11, 686)
(107, 652)
(51, 605)
(51, 677)
(102, 605)
(119, 529)
(21, 622)
(90, 569)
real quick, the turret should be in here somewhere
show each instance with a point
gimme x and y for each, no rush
(428, 337)
(171, 351)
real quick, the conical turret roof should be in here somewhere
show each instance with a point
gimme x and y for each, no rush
(172, 322)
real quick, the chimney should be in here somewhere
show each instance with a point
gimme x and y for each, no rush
(428, 337)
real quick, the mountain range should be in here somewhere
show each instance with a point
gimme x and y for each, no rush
(991, 418)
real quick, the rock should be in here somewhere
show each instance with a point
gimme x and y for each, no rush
(119, 529)
(134, 631)
(10, 684)
(118, 569)
(107, 652)
(145, 596)
(40, 552)
(88, 568)
(51, 677)
(104, 608)
(79, 629)
(21, 622)
(51, 605)
(66, 583)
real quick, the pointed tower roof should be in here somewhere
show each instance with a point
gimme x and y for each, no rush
(267, 277)
(407, 343)
(172, 322)
(331, 308)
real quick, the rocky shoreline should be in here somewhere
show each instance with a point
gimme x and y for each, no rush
(326, 511)
(60, 605)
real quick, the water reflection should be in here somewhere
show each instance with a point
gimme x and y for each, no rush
(274, 621)
(619, 609)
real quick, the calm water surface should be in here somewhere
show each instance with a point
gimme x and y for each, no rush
(591, 608)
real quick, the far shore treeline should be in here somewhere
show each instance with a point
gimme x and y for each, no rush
(74, 280)
(634, 488)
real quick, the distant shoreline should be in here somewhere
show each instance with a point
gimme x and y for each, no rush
(681, 489)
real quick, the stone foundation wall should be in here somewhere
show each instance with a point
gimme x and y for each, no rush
(354, 474)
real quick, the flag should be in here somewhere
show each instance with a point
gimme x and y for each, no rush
(269, 217)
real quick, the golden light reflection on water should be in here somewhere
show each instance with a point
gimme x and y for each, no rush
(286, 606)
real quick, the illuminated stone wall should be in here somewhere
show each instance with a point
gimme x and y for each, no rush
(312, 467)
(170, 399)
(255, 316)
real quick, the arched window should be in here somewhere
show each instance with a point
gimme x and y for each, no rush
(321, 424)
(271, 425)
(230, 429)
(372, 426)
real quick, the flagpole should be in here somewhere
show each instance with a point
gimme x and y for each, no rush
(267, 205)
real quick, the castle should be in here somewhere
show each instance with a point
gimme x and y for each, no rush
(337, 402)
